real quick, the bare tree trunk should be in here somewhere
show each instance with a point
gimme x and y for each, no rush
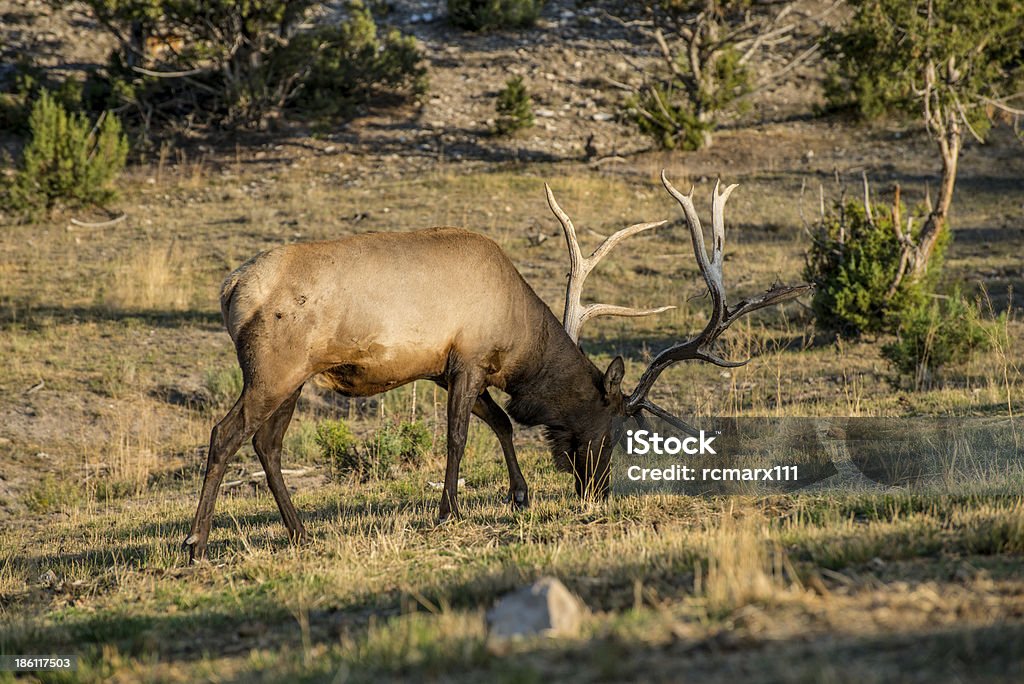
(949, 145)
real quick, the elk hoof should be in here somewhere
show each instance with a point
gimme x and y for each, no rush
(446, 517)
(519, 498)
(196, 552)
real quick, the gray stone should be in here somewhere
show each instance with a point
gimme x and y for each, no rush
(545, 607)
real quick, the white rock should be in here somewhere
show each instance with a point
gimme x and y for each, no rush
(545, 607)
(603, 116)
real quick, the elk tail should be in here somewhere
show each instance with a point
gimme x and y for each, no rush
(227, 294)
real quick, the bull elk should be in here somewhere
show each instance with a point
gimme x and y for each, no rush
(371, 312)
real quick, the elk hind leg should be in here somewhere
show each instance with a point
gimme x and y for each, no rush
(250, 412)
(267, 442)
(488, 410)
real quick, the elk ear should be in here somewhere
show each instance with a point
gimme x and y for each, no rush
(613, 377)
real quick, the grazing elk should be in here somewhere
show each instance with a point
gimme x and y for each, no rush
(371, 312)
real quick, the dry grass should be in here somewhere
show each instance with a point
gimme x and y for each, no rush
(153, 276)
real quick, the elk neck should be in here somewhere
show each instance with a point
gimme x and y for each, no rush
(560, 388)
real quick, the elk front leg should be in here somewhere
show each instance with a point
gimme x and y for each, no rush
(488, 410)
(464, 386)
(267, 442)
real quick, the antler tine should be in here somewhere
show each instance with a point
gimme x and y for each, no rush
(699, 347)
(609, 242)
(575, 314)
(692, 220)
(575, 255)
(718, 224)
(710, 268)
(595, 310)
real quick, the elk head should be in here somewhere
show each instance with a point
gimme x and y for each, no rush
(589, 453)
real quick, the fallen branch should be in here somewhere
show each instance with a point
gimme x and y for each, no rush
(98, 224)
(260, 476)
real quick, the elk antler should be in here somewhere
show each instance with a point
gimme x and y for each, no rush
(700, 347)
(580, 267)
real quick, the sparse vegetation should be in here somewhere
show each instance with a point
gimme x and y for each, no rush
(405, 443)
(68, 160)
(154, 277)
(345, 65)
(51, 494)
(936, 332)
(710, 51)
(670, 121)
(300, 441)
(491, 15)
(340, 449)
(514, 107)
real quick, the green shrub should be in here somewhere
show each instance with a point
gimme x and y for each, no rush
(488, 15)
(668, 120)
(350, 62)
(68, 160)
(682, 110)
(391, 447)
(224, 385)
(50, 494)
(852, 262)
(514, 107)
(405, 443)
(340, 449)
(934, 333)
(880, 56)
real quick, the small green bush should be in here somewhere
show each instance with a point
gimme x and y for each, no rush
(681, 112)
(406, 443)
(340, 449)
(934, 333)
(68, 159)
(224, 385)
(257, 61)
(514, 107)
(50, 494)
(669, 121)
(392, 446)
(489, 15)
(852, 263)
(345, 65)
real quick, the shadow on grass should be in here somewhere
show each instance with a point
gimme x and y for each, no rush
(34, 316)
